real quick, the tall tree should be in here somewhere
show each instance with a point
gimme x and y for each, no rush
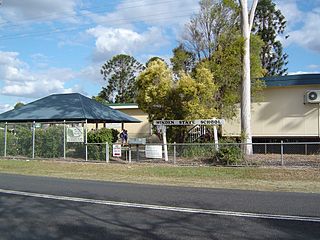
(268, 24)
(120, 73)
(203, 31)
(188, 97)
(246, 26)
(182, 60)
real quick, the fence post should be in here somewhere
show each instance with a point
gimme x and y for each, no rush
(107, 152)
(306, 149)
(129, 153)
(33, 137)
(64, 139)
(265, 148)
(174, 153)
(5, 139)
(86, 140)
(282, 163)
(138, 157)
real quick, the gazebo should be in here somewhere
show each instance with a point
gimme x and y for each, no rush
(64, 109)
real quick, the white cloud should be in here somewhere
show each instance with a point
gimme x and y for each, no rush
(37, 10)
(303, 27)
(5, 107)
(112, 41)
(18, 80)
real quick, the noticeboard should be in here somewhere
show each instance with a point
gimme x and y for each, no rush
(137, 141)
(116, 150)
(75, 134)
(153, 151)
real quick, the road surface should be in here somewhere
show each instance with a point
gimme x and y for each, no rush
(51, 208)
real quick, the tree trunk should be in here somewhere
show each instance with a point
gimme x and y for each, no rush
(246, 25)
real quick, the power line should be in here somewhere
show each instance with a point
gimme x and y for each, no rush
(101, 9)
(114, 22)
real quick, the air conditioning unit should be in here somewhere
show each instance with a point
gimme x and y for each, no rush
(312, 96)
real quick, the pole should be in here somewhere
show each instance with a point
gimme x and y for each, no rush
(138, 157)
(174, 153)
(64, 139)
(107, 152)
(165, 147)
(282, 163)
(215, 135)
(33, 137)
(5, 139)
(86, 140)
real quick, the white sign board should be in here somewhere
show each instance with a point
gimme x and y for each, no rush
(137, 141)
(191, 122)
(75, 134)
(116, 150)
(153, 151)
(113, 125)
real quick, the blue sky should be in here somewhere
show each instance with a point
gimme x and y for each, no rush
(59, 46)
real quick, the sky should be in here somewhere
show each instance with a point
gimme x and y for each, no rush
(59, 46)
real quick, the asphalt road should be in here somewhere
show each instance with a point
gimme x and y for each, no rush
(77, 209)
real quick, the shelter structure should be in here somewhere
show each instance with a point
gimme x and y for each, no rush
(64, 108)
(68, 107)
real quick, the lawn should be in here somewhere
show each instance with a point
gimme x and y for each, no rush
(250, 178)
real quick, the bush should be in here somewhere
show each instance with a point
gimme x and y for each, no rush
(229, 154)
(189, 151)
(103, 135)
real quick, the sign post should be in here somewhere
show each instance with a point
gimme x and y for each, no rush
(164, 123)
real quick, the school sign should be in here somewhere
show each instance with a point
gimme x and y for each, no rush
(190, 122)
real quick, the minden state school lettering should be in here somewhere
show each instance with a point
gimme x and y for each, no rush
(189, 122)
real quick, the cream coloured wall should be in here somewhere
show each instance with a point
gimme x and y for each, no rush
(281, 112)
(142, 129)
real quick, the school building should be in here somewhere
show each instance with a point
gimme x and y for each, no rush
(289, 108)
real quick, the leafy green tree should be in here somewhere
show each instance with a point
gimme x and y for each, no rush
(120, 73)
(268, 24)
(154, 85)
(18, 105)
(189, 97)
(202, 33)
(182, 60)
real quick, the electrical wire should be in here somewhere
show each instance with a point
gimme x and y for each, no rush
(101, 9)
(113, 22)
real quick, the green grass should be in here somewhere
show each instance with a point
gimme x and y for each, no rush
(267, 179)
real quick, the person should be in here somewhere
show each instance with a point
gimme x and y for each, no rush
(124, 136)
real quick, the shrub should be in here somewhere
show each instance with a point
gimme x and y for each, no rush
(229, 154)
(103, 135)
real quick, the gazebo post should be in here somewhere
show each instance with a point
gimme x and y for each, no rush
(64, 139)
(5, 139)
(86, 140)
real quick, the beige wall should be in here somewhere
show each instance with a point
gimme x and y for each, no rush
(281, 112)
(142, 129)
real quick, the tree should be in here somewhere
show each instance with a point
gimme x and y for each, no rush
(182, 60)
(202, 33)
(120, 73)
(18, 105)
(154, 85)
(226, 68)
(189, 97)
(268, 24)
(246, 26)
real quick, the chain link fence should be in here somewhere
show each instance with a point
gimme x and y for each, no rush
(49, 141)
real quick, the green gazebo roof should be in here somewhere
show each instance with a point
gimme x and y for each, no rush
(69, 107)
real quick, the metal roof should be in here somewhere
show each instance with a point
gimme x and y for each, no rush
(69, 107)
(292, 80)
